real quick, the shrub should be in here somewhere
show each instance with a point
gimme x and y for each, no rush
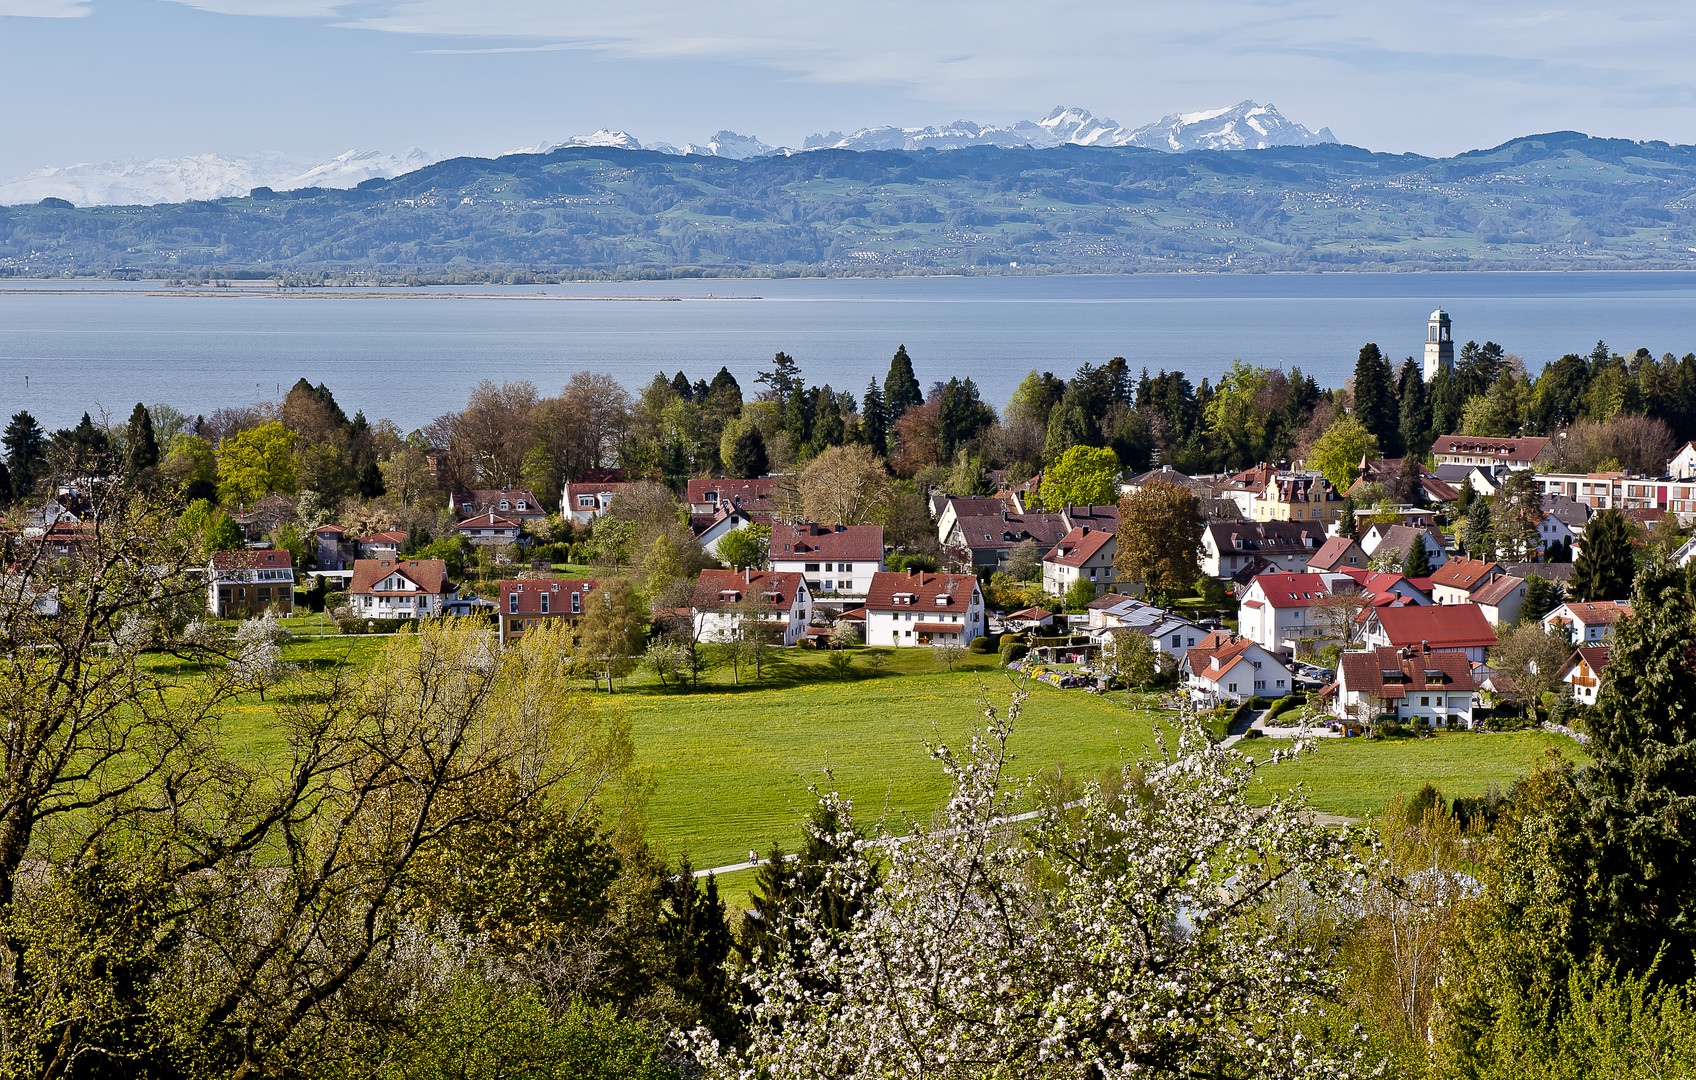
(356, 625)
(1012, 649)
(981, 645)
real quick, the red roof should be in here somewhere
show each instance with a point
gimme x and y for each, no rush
(1216, 654)
(488, 521)
(892, 591)
(854, 543)
(1079, 546)
(1393, 673)
(939, 627)
(1291, 590)
(393, 536)
(530, 592)
(1463, 573)
(718, 589)
(1498, 590)
(1444, 626)
(748, 494)
(1596, 656)
(1331, 553)
(329, 528)
(1518, 451)
(430, 575)
(252, 560)
(1033, 613)
(1598, 613)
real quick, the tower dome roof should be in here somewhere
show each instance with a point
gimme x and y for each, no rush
(1439, 316)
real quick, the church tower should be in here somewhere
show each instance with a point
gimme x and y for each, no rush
(1439, 345)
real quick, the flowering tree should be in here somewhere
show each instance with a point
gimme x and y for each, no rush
(1167, 931)
(258, 662)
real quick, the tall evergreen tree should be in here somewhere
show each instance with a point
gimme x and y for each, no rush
(1375, 399)
(1415, 406)
(1418, 561)
(747, 458)
(798, 416)
(1067, 427)
(874, 419)
(1480, 544)
(828, 428)
(680, 383)
(962, 415)
(142, 447)
(723, 379)
(1347, 524)
(901, 388)
(26, 453)
(1607, 561)
(784, 378)
(1640, 790)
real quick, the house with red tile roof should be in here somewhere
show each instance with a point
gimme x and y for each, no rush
(1587, 622)
(1459, 628)
(707, 496)
(919, 608)
(250, 583)
(1224, 667)
(1501, 599)
(836, 561)
(585, 500)
(490, 530)
(1084, 554)
(725, 599)
(1456, 580)
(519, 504)
(1279, 611)
(394, 588)
(1480, 450)
(532, 602)
(1337, 554)
(380, 544)
(1386, 588)
(1418, 686)
(1583, 672)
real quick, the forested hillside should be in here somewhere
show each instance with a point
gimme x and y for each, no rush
(1558, 201)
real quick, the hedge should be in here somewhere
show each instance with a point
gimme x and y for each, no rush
(377, 626)
(981, 645)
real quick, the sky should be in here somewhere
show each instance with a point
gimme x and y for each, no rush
(101, 80)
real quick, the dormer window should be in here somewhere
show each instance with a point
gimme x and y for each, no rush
(943, 601)
(544, 603)
(523, 504)
(512, 603)
(504, 505)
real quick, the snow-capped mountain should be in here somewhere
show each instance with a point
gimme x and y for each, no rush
(1244, 126)
(621, 140)
(133, 182)
(726, 144)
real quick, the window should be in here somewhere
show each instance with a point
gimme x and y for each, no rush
(585, 502)
(829, 585)
(512, 603)
(577, 603)
(504, 505)
(523, 504)
(544, 603)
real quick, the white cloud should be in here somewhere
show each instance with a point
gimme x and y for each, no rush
(44, 9)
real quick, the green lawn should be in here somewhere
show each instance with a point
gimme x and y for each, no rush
(1358, 777)
(731, 764)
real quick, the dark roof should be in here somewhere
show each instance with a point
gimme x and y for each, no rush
(1497, 590)
(1444, 626)
(923, 589)
(430, 575)
(1096, 517)
(1594, 655)
(1548, 571)
(859, 543)
(1331, 553)
(530, 593)
(483, 499)
(1400, 539)
(752, 494)
(270, 559)
(1569, 512)
(489, 521)
(995, 531)
(717, 589)
(1522, 451)
(1397, 672)
(1267, 537)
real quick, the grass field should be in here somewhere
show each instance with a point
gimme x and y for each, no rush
(1357, 777)
(731, 763)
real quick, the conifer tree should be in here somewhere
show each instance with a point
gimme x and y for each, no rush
(1479, 543)
(1606, 563)
(747, 458)
(901, 389)
(1415, 410)
(1640, 791)
(26, 453)
(1375, 399)
(874, 419)
(142, 449)
(1418, 561)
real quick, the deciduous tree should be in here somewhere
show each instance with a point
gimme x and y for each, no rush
(845, 485)
(255, 463)
(1083, 476)
(1159, 538)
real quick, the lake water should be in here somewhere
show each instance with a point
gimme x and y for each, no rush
(411, 355)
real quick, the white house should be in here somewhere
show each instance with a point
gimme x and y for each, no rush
(584, 501)
(250, 582)
(1418, 686)
(1585, 623)
(1583, 672)
(709, 529)
(1277, 610)
(1563, 521)
(1224, 667)
(1396, 540)
(490, 530)
(724, 598)
(916, 608)
(396, 588)
(1228, 546)
(1172, 635)
(1501, 600)
(1683, 464)
(1084, 554)
(836, 561)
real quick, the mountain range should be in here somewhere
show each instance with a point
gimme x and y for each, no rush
(1557, 201)
(132, 182)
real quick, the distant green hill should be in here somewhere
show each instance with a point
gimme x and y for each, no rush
(1557, 201)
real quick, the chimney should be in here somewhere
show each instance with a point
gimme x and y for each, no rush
(840, 527)
(911, 571)
(748, 574)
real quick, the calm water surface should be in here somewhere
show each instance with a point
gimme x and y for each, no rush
(411, 355)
